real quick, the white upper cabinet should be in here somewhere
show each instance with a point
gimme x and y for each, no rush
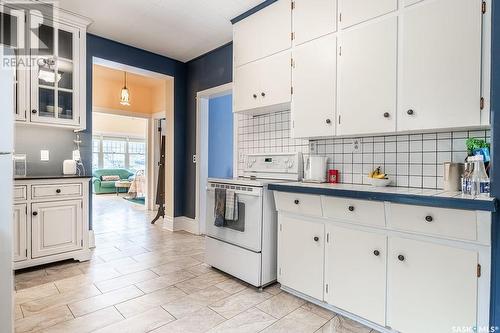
(431, 288)
(355, 272)
(55, 74)
(264, 85)
(356, 11)
(367, 78)
(322, 12)
(300, 255)
(264, 33)
(440, 65)
(314, 84)
(12, 38)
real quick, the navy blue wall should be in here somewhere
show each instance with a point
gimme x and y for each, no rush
(220, 137)
(210, 70)
(495, 165)
(128, 55)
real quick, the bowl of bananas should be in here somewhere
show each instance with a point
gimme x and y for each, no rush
(378, 178)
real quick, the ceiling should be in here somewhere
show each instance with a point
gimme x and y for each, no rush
(179, 29)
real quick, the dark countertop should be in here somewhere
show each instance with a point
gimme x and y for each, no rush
(41, 177)
(410, 196)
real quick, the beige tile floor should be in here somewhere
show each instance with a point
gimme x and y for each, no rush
(144, 278)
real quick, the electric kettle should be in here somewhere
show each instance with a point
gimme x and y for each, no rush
(315, 169)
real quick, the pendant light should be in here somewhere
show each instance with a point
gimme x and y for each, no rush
(125, 95)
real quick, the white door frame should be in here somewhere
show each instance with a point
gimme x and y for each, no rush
(202, 98)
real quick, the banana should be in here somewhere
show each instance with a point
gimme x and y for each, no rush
(377, 173)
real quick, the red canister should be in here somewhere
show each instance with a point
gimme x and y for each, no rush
(333, 176)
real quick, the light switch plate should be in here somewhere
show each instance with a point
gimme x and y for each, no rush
(44, 155)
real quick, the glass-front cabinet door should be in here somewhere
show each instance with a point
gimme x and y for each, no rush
(12, 39)
(54, 72)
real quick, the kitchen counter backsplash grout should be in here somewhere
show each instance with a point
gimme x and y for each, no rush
(411, 160)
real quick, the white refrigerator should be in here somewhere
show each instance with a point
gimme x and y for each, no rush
(6, 190)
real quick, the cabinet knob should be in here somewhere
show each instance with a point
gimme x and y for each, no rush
(254, 95)
(58, 190)
(35, 213)
(410, 112)
(351, 208)
(316, 238)
(387, 114)
(429, 218)
(376, 253)
(34, 111)
(296, 201)
(401, 257)
(328, 121)
(263, 94)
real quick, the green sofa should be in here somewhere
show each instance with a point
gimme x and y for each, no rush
(101, 186)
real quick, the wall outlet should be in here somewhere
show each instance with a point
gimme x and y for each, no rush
(356, 145)
(313, 147)
(44, 155)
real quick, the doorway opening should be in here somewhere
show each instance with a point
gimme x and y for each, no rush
(129, 106)
(216, 149)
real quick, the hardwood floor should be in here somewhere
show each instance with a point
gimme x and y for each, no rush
(144, 278)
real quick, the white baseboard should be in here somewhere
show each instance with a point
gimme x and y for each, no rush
(168, 223)
(187, 224)
(91, 239)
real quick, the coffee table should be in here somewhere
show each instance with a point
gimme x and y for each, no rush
(122, 184)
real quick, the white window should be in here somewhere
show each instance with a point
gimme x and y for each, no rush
(118, 153)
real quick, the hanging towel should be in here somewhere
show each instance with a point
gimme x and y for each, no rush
(231, 206)
(220, 207)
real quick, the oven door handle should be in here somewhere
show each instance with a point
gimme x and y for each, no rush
(254, 193)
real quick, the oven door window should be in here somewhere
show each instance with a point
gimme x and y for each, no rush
(239, 224)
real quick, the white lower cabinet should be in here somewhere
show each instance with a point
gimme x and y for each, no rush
(431, 288)
(20, 233)
(355, 272)
(388, 278)
(56, 227)
(301, 248)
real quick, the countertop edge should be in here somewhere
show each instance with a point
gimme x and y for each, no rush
(51, 177)
(410, 199)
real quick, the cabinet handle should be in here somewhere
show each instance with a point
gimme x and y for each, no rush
(34, 111)
(58, 190)
(35, 213)
(263, 94)
(351, 208)
(328, 121)
(410, 112)
(387, 114)
(316, 238)
(376, 253)
(401, 257)
(254, 95)
(429, 218)
(296, 201)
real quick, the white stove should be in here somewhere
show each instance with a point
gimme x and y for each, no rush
(246, 248)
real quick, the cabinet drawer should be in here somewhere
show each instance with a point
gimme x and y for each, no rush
(359, 211)
(452, 223)
(304, 204)
(56, 191)
(20, 193)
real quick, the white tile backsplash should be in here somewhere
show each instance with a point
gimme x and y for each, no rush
(410, 160)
